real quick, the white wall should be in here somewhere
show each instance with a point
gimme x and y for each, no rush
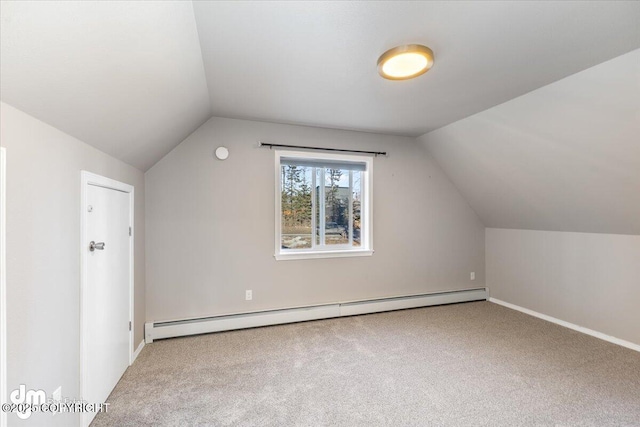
(591, 280)
(563, 158)
(43, 259)
(210, 226)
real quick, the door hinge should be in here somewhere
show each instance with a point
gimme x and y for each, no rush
(129, 325)
(129, 231)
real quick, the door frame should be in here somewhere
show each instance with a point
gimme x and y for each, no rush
(87, 179)
(3, 283)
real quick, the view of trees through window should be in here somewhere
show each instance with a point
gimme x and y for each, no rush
(321, 207)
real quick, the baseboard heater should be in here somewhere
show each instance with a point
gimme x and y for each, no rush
(179, 328)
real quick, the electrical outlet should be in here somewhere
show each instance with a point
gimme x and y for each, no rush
(248, 295)
(473, 275)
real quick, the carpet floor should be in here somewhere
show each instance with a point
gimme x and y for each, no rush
(473, 364)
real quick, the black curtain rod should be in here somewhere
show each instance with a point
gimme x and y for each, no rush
(375, 153)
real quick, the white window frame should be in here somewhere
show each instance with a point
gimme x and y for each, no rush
(366, 234)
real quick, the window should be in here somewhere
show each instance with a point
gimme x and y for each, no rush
(323, 205)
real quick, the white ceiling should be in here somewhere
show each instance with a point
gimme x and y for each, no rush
(135, 78)
(315, 62)
(125, 77)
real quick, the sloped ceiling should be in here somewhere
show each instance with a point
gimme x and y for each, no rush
(565, 157)
(126, 77)
(315, 62)
(134, 78)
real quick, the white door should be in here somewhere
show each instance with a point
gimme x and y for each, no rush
(106, 311)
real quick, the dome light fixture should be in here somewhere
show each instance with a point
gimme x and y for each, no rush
(405, 62)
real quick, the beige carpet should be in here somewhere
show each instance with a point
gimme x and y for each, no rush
(474, 364)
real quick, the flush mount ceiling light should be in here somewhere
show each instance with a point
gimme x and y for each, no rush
(405, 62)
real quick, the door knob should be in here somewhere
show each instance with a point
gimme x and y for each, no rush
(93, 246)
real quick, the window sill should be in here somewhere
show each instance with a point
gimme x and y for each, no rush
(323, 254)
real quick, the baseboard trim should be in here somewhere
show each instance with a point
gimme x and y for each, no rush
(137, 352)
(172, 329)
(569, 325)
(414, 301)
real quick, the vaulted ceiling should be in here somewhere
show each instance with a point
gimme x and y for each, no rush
(565, 157)
(135, 78)
(315, 62)
(125, 77)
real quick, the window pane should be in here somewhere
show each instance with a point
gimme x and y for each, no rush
(357, 207)
(336, 212)
(319, 205)
(296, 207)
